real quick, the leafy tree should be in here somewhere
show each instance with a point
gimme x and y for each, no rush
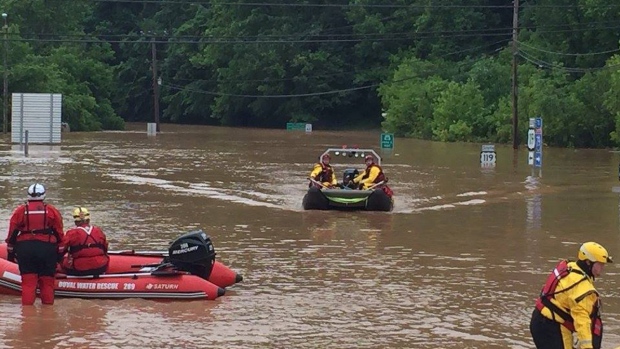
(612, 97)
(569, 32)
(459, 113)
(593, 127)
(408, 98)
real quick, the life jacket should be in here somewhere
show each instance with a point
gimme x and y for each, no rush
(93, 244)
(326, 173)
(380, 178)
(387, 191)
(35, 222)
(548, 293)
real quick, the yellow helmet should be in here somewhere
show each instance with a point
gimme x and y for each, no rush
(81, 214)
(591, 251)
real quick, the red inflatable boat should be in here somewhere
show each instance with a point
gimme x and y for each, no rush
(188, 270)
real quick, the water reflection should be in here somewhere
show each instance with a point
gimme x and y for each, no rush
(75, 323)
(332, 223)
(36, 150)
(533, 199)
(33, 326)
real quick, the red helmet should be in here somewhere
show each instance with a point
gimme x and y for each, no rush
(369, 157)
(326, 156)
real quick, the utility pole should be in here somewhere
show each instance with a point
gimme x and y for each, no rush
(155, 84)
(515, 89)
(5, 90)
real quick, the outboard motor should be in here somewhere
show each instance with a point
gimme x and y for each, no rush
(193, 252)
(347, 177)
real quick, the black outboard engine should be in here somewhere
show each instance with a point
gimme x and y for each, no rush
(193, 252)
(347, 177)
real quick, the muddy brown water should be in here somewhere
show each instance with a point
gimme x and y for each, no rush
(457, 264)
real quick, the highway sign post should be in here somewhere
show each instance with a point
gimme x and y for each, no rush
(488, 157)
(387, 141)
(535, 142)
(299, 126)
(538, 142)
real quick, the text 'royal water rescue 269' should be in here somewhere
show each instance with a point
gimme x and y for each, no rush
(188, 270)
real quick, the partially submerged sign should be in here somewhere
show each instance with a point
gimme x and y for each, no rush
(488, 157)
(39, 114)
(299, 126)
(535, 142)
(387, 141)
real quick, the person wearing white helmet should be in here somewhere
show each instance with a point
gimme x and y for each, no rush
(35, 238)
(569, 303)
(87, 246)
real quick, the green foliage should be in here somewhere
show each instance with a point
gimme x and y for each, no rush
(593, 127)
(570, 26)
(492, 76)
(183, 67)
(611, 98)
(437, 72)
(501, 121)
(420, 103)
(462, 24)
(459, 113)
(88, 88)
(408, 99)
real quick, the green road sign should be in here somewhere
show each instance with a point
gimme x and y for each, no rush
(295, 126)
(387, 141)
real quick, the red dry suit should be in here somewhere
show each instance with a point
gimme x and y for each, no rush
(36, 238)
(87, 248)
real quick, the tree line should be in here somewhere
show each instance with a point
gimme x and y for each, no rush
(438, 70)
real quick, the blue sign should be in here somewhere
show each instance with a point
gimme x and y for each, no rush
(538, 122)
(538, 142)
(537, 159)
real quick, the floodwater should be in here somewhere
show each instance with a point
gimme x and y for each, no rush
(457, 264)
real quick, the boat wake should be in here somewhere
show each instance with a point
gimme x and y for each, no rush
(246, 197)
(438, 203)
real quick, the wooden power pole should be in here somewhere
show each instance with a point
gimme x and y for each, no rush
(515, 89)
(155, 84)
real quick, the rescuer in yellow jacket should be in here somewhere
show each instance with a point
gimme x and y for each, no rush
(324, 173)
(372, 175)
(569, 303)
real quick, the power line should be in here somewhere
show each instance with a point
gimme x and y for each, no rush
(259, 39)
(286, 39)
(182, 88)
(293, 35)
(415, 6)
(319, 76)
(271, 4)
(364, 87)
(568, 54)
(269, 80)
(544, 64)
(309, 37)
(243, 41)
(570, 30)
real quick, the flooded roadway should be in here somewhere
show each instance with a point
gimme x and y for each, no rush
(457, 264)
